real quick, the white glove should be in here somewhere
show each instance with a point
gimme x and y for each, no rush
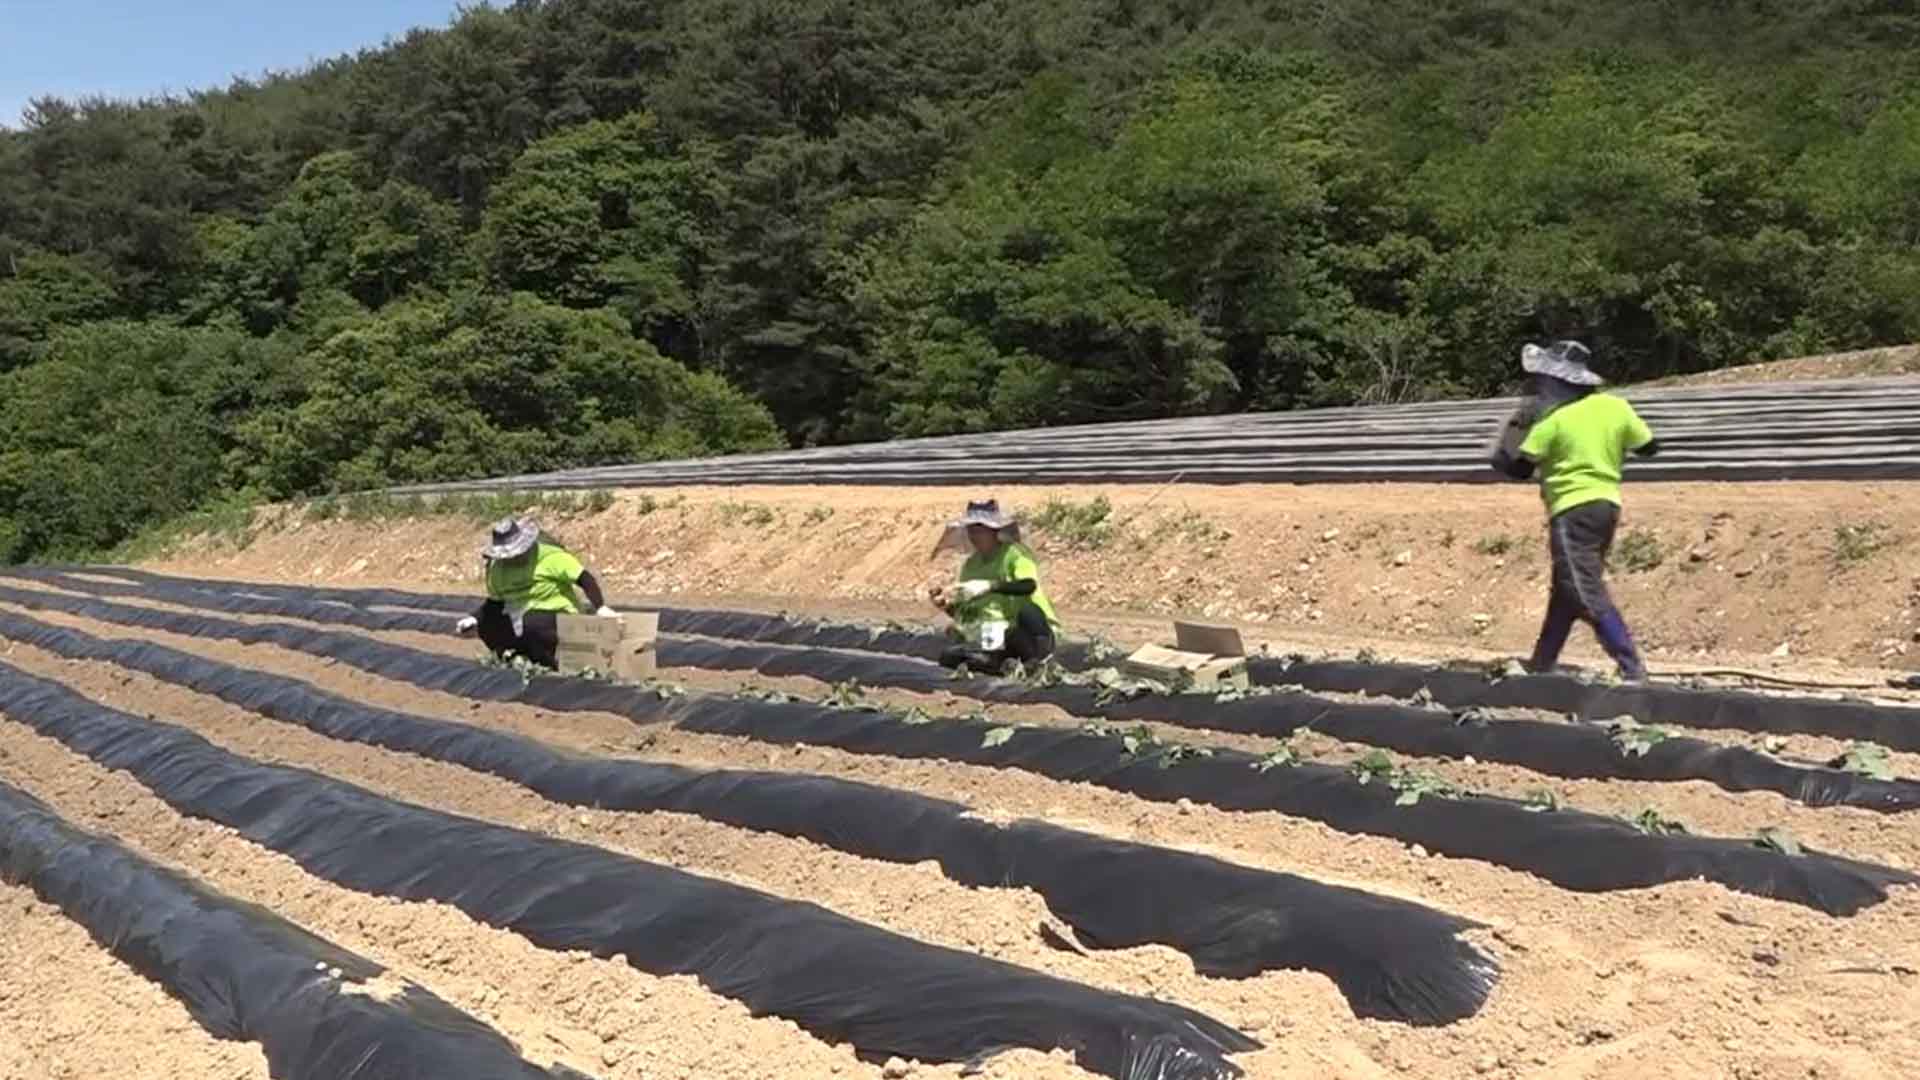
(466, 626)
(974, 590)
(606, 612)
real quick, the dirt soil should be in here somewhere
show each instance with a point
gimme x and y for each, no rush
(596, 1016)
(70, 1011)
(1866, 364)
(1759, 576)
(1702, 807)
(1703, 981)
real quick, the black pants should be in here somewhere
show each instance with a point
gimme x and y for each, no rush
(1029, 640)
(537, 641)
(1580, 540)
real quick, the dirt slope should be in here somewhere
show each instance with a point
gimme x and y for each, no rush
(1712, 572)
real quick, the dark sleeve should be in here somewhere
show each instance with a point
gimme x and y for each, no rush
(1517, 466)
(590, 588)
(1023, 587)
(1652, 449)
(490, 606)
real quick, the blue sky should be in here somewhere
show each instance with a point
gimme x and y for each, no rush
(130, 48)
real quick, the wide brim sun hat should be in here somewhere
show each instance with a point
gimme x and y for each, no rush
(512, 538)
(1564, 360)
(985, 513)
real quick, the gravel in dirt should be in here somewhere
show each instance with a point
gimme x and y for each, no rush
(1707, 982)
(69, 1010)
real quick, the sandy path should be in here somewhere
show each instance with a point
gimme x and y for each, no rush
(70, 1010)
(1706, 979)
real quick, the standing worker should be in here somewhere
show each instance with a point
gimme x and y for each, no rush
(529, 583)
(1576, 438)
(999, 611)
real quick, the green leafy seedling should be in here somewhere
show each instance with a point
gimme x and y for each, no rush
(1139, 740)
(999, 736)
(1634, 738)
(1778, 840)
(1651, 822)
(916, 717)
(1414, 786)
(847, 695)
(1866, 759)
(1542, 801)
(1285, 757)
(1474, 717)
(1376, 765)
(1179, 752)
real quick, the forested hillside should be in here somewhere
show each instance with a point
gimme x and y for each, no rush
(580, 231)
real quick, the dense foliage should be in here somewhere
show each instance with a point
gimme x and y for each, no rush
(578, 231)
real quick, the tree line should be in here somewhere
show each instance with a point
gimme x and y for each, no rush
(574, 232)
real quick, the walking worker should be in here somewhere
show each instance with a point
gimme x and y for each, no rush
(999, 610)
(530, 582)
(1576, 439)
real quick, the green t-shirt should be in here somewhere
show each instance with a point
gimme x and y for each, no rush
(541, 583)
(1008, 562)
(1579, 448)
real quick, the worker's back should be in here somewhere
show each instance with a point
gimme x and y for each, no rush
(1580, 447)
(541, 582)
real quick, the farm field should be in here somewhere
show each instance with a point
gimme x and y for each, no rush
(851, 869)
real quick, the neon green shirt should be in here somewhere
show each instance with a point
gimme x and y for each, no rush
(541, 583)
(1008, 562)
(1579, 449)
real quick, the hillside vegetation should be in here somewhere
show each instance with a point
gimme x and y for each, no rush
(581, 231)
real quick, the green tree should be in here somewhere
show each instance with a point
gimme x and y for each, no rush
(600, 214)
(120, 425)
(40, 292)
(1616, 206)
(481, 386)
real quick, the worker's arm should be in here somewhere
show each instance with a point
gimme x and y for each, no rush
(1023, 576)
(1516, 466)
(1640, 438)
(1508, 456)
(589, 587)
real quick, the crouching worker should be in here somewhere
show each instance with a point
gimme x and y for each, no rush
(999, 611)
(1576, 439)
(529, 584)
